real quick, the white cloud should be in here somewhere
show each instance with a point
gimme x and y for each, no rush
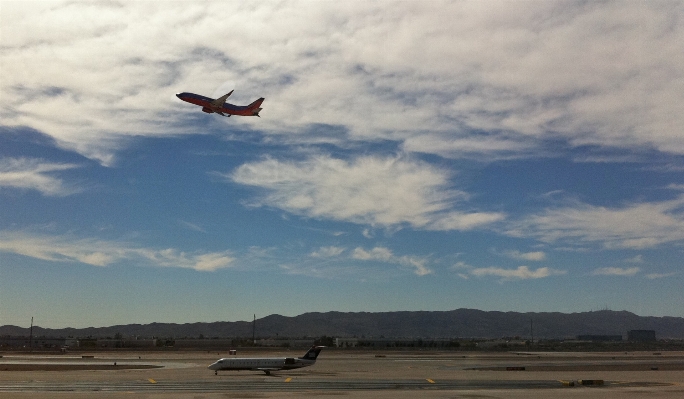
(635, 226)
(531, 256)
(465, 271)
(385, 255)
(192, 226)
(327, 252)
(377, 253)
(654, 276)
(464, 221)
(34, 174)
(104, 253)
(616, 271)
(461, 265)
(636, 259)
(521, 273)
(368, 190)
(603, 73)
(462, 147)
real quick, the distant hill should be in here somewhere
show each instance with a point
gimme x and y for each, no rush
(464, 323)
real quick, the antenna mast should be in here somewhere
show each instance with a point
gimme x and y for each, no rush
(531, 333)
(31, 335)
(254, 330)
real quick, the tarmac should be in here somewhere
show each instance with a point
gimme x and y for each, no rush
(350, 373)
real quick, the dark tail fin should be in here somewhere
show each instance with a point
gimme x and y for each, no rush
(255, 106)
(312, 353)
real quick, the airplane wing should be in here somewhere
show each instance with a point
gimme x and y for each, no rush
(219, 101)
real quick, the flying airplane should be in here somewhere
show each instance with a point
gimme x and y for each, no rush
(220, 106)
(267, 364)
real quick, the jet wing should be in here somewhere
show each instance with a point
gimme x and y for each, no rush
(267, 368)
(219, 101)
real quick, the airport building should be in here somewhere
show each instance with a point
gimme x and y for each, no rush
(600, 338)
(394, 343)
(286, 343)
(203, 343)
(346, 342)
(37, 343)
(126, 343)
(641, 336)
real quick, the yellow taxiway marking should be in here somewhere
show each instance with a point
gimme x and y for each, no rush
(288, 379)
(430, 381)
(151, 381)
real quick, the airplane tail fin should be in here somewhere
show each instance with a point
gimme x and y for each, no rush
(312, 353)
(254, 107)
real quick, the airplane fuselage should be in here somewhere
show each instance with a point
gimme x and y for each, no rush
(260, 364)
(209, 105)
(267, 364)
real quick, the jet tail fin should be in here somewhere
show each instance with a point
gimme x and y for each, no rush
(312, 353)
(255, 106)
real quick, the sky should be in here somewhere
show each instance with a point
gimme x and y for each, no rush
(495, 155)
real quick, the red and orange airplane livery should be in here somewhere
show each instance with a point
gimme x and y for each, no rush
(220, 106)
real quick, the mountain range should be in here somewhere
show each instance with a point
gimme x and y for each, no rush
(459, 323)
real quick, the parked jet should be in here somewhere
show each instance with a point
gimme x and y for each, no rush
(267, 364)
(220, 106)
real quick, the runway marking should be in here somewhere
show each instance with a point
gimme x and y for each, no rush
(288, 379)
(151, 381)
(430, 381)
(204, 386)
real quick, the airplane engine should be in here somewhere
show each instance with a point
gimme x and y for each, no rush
(207, 110)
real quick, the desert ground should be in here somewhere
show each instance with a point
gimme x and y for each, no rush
(350, 373)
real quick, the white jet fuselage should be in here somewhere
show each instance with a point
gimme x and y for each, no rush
(262, 364)
(267, 364)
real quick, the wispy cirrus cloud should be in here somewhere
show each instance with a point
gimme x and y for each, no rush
(655, 276)
(383, 254)
(465, 271)
(616, 271)
(36, 174)
(192, 226)
(367, 190)
(327, 252)
(531, 256)
(633, 226)
(521, 273)
(635, 259)
(102, 253)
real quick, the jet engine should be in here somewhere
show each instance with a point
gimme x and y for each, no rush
(207, 110)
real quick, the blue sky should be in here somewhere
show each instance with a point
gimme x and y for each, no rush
(512, 156)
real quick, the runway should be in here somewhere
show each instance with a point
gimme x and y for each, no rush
(295, 386)
(359, 374)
